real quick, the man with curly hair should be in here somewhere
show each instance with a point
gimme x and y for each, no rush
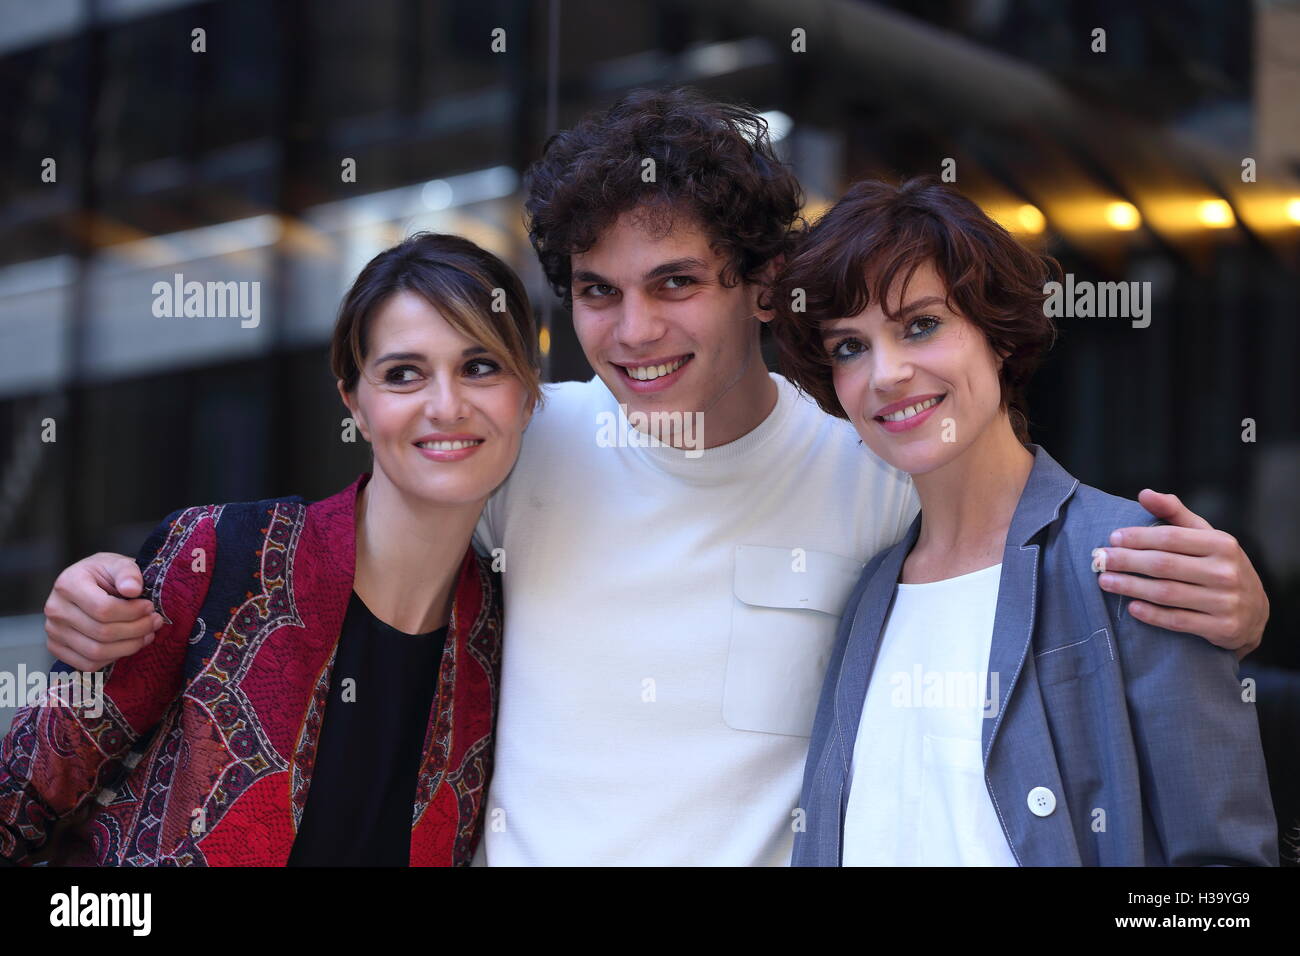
(682, 531)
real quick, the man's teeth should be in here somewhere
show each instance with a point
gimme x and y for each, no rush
(449, 445)
(911, 410)
(647, 373)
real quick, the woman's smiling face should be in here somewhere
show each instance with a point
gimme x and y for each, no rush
(444, 417)
(919, 386)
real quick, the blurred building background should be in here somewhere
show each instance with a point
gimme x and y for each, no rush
(226, 165)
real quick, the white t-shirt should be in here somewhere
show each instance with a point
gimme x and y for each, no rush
(917, 793)
(669, 616)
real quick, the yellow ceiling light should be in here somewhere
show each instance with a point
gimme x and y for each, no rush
(1031, 218)
(814, 209)
(1215, 214)
(544, 341)
(1293, 209)
(1122, 215)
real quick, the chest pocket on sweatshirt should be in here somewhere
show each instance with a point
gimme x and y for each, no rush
(786, 613)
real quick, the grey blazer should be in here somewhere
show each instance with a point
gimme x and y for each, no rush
(1097, 711)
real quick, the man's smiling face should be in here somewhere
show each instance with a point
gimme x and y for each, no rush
(663, 332)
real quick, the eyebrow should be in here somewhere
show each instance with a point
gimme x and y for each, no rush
(921, 304)
(420, 357)
(670, 268)
(842, 333)
(828, 334)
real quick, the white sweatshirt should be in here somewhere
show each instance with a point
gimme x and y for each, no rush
(668, 620)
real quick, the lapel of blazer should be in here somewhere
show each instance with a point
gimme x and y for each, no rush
(324, 568)
(450, 723)
(865, 632)
(1017, 742)
(457, 758)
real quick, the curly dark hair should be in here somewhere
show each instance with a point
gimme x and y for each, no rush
(712, 160)
(879, 232)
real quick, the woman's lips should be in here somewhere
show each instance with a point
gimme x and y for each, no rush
(907, 424)
(450, 454)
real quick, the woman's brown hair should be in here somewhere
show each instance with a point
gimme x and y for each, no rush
(879, 232)
(478, 294)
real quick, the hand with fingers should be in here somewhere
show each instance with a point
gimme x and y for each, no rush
(1197, 580)
(95, 614)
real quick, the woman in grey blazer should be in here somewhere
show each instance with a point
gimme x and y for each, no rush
(986, 702)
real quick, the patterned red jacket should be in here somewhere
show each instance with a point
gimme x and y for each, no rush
(204, 749)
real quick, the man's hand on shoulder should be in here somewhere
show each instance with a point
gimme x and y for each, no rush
(95, 614)
(1198, 580)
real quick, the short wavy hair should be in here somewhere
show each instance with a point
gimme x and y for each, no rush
(879, 232)
(712, 160)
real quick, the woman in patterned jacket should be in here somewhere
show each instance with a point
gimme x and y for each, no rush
(322, 684)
